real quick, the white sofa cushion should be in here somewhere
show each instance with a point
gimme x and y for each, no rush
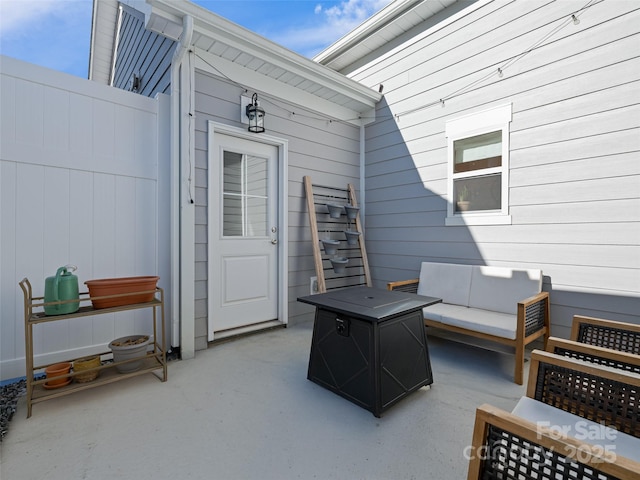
(447, 281)
(492, 323)
(500, 289)
(607, 439)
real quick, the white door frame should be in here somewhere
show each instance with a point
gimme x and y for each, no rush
(283, 209)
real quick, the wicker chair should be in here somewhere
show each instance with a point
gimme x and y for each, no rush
(506, 446)
(594, 354)
(624, 337)
(519, 445)
(605, 395)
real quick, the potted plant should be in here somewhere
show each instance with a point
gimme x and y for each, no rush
(129, 348)
(463, 199)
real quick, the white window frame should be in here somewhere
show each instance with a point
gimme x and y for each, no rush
(485, 121)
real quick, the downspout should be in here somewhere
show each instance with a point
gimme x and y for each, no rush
(361, 204)
(116, 43)
(176, 198)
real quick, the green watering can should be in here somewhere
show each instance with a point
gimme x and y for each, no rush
(64, 286)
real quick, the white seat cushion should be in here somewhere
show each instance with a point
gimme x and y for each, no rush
(447, 281)
(607, 439)
(434, 312)
(492, 323)
(500, 289)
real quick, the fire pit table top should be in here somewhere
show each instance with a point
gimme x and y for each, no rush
(367, 303)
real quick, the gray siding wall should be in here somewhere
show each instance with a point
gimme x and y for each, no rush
(143, 53)
(328, 152)
(574, 140)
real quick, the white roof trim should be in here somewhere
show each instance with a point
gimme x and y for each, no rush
(167, 14)
(430, 31)
(103, 28)
(348, 54)
(385, 16)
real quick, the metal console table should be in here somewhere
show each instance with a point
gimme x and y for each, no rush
(153, 361)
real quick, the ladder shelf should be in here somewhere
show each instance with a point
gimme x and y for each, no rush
(327, 226)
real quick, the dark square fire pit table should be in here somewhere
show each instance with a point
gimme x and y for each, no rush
(369, 345)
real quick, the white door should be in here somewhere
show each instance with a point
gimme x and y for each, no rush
(244, 233)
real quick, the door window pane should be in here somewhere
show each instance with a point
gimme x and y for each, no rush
(245, 193)
(256, 215)
(232, 173)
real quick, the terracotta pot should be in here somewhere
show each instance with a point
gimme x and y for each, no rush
(115, 286)
(55, 371)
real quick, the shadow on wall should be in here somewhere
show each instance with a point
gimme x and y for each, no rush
(567, 303)
(406, 208)
(406, 205)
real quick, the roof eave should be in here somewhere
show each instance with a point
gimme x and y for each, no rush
(209, 24)
(103, 21)
(372, 25)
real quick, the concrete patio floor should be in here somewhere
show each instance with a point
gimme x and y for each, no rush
(244, 410)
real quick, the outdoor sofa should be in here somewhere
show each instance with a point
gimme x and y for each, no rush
(500, 304)
(578, 421)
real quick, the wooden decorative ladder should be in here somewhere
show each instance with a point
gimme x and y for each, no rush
(356, 271)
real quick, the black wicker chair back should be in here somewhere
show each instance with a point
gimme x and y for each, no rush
(620, 336)
(591, 392)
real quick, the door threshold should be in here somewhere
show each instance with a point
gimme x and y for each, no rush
(233, 333)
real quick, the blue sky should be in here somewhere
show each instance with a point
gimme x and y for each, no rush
(56, 33)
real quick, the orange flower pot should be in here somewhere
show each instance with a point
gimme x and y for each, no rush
(55, 371)
(115, 286)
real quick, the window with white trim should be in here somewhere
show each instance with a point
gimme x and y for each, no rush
(478, 168)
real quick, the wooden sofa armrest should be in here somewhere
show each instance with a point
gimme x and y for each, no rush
(621, 336)
(594, 354)
(533, 315)
(507, 446)
(600, 394)
(409, 286)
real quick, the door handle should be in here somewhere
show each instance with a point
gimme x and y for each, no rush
(274, 241)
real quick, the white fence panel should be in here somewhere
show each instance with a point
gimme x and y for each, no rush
(79, 179)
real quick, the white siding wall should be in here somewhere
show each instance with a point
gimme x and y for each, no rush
(78, 185)
(575, 142)
(328, 152)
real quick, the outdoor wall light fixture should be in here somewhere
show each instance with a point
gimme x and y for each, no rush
(256, 114)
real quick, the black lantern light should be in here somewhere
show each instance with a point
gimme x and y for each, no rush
(256, 114)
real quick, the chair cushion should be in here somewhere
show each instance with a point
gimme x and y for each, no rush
(608, 439)
(492, 323)
(500, 289)
(447, 281)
